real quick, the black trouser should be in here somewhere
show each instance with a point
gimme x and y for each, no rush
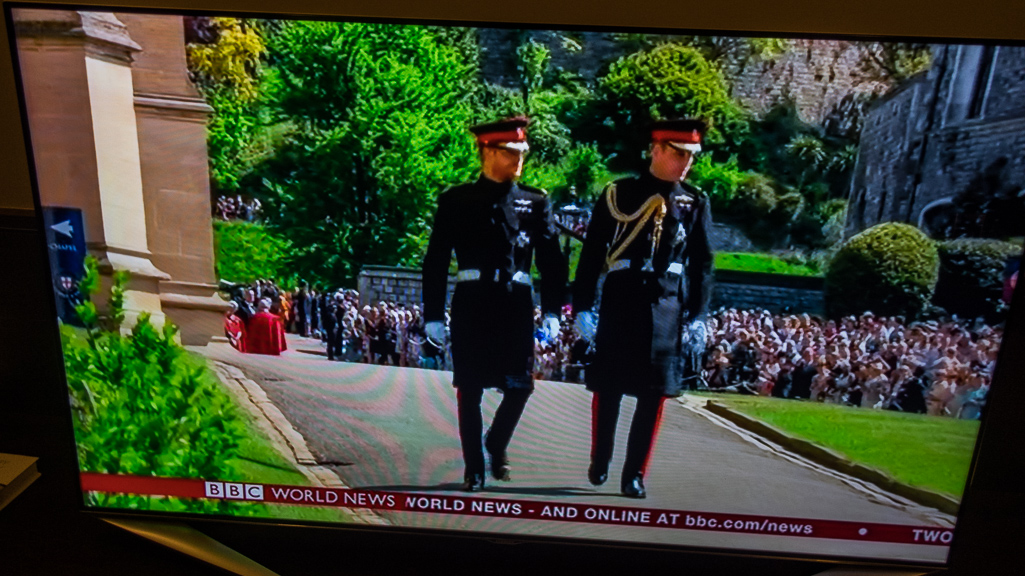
(334, 343)
(471, 424)
(605, 416)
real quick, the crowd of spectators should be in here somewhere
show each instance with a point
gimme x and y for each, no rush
(237, 208)
(940, 368)
(386, 333)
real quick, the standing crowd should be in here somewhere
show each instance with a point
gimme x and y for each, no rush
(940, 368)
(387, 333)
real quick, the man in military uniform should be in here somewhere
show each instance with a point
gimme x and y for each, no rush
(641, 288)
(496, 227)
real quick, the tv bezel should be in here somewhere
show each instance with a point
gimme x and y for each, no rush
(985, 474)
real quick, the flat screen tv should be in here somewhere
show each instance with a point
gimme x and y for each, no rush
(531, 277)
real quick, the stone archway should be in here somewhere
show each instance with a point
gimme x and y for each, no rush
(937, 216)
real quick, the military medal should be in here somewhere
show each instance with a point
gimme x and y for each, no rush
(523, 239)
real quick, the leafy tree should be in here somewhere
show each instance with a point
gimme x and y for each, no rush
(971, 277)
(225, 62)
(379, 115)
(667, 81)
(232, 59)
(247, 251)
(719, 180)
(579, 177)
(896, 61)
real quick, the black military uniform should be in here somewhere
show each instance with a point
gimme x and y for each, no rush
(645, 268)
(495, 229)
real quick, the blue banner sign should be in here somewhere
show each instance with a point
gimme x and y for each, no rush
(65, 241)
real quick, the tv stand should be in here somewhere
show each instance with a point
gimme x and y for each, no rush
(187, 540)
(871, 571)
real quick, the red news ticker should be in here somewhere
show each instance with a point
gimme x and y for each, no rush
(520, 509)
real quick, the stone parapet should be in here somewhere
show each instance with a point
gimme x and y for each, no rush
(776, 293)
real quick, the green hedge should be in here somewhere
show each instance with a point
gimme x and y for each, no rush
(142, 406)
(972, 276)
(889, 269)
(247, 251)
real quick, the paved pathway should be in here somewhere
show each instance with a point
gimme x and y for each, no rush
(390, 428)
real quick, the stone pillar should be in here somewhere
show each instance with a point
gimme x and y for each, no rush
(77, 74)
(172, 118)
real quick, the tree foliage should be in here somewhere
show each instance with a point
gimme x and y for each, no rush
(379, 114)
(896, 61)
(667, 81)
(227, 70)
(247, 251)
(971, 277)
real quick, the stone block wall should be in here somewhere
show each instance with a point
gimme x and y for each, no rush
(817, 75)
(732, 289)
(773, 292)
(929, 139)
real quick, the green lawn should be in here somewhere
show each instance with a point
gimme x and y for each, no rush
(926, 451)
(766, 263)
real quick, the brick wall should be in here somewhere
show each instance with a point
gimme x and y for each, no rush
(388, 283)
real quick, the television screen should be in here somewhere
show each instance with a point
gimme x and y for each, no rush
(659, 288)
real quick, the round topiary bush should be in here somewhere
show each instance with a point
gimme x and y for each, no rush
(889, 269)
(972, 276)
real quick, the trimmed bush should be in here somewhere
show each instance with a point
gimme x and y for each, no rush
(143, 407)
(972, 276)
(889, 269)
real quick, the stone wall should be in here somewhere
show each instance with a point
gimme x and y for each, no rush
(732, 289)
(387, 283)
(819, 76)
(773, 292)
(929, 139)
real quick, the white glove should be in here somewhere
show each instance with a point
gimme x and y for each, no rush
(585, 325)
(435, 333)
(550, 327)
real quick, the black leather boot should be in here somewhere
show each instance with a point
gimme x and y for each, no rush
(598, 473)
(500, 469)
(473, 482)
(633, 486)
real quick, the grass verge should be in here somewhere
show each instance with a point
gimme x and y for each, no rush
(260, 461)
(926, 451)
(765, 263)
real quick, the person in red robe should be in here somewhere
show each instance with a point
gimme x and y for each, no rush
(265, 333)
(234, 328)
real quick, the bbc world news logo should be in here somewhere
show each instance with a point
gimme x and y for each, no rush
(234, 491)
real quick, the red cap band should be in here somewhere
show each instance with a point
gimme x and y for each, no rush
(517, 135)
(682, 136)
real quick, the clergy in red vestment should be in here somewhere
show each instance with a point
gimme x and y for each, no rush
(234, 328)
(265, 333)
